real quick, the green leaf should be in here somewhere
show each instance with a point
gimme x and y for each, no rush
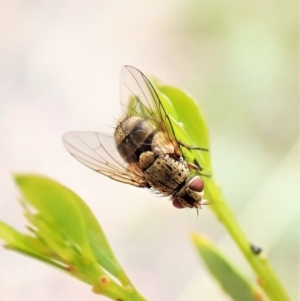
(188, 122)
(231, 280)
(66, 234)
(70, 216)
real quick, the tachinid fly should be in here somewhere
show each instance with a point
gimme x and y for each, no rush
(144, 151)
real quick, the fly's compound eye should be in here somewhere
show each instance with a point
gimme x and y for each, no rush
(196, 184)
(177, 203)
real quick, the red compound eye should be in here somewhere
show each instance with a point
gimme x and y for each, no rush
(196, 184)
(177, 204)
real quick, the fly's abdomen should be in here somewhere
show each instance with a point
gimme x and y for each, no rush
(133, 136)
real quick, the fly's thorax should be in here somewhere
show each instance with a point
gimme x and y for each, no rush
(161, 144)
(133, 136)
(165, 174)
(190, 195)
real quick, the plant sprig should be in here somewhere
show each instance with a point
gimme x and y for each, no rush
(65, 234)
(189, 120)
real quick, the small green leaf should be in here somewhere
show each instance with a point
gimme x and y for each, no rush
(25, 244)
(231, 280)
(14, 238)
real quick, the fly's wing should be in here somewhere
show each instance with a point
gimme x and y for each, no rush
(98, 151)
(139, 98)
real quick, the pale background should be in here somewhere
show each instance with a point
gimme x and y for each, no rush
(59, 71)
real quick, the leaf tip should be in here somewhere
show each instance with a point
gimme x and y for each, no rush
(18, 178)
(199, 239)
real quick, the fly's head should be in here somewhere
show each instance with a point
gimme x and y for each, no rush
(190, 195)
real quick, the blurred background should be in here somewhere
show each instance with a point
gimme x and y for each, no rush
(59, 71)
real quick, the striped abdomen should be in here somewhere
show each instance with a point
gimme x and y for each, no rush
(134, 136)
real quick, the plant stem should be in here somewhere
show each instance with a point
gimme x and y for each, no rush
(267, 278)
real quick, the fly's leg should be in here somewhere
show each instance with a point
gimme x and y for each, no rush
(189, 147)
(195, 166)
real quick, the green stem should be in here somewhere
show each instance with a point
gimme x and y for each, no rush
(267, 278)
(136, 296)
